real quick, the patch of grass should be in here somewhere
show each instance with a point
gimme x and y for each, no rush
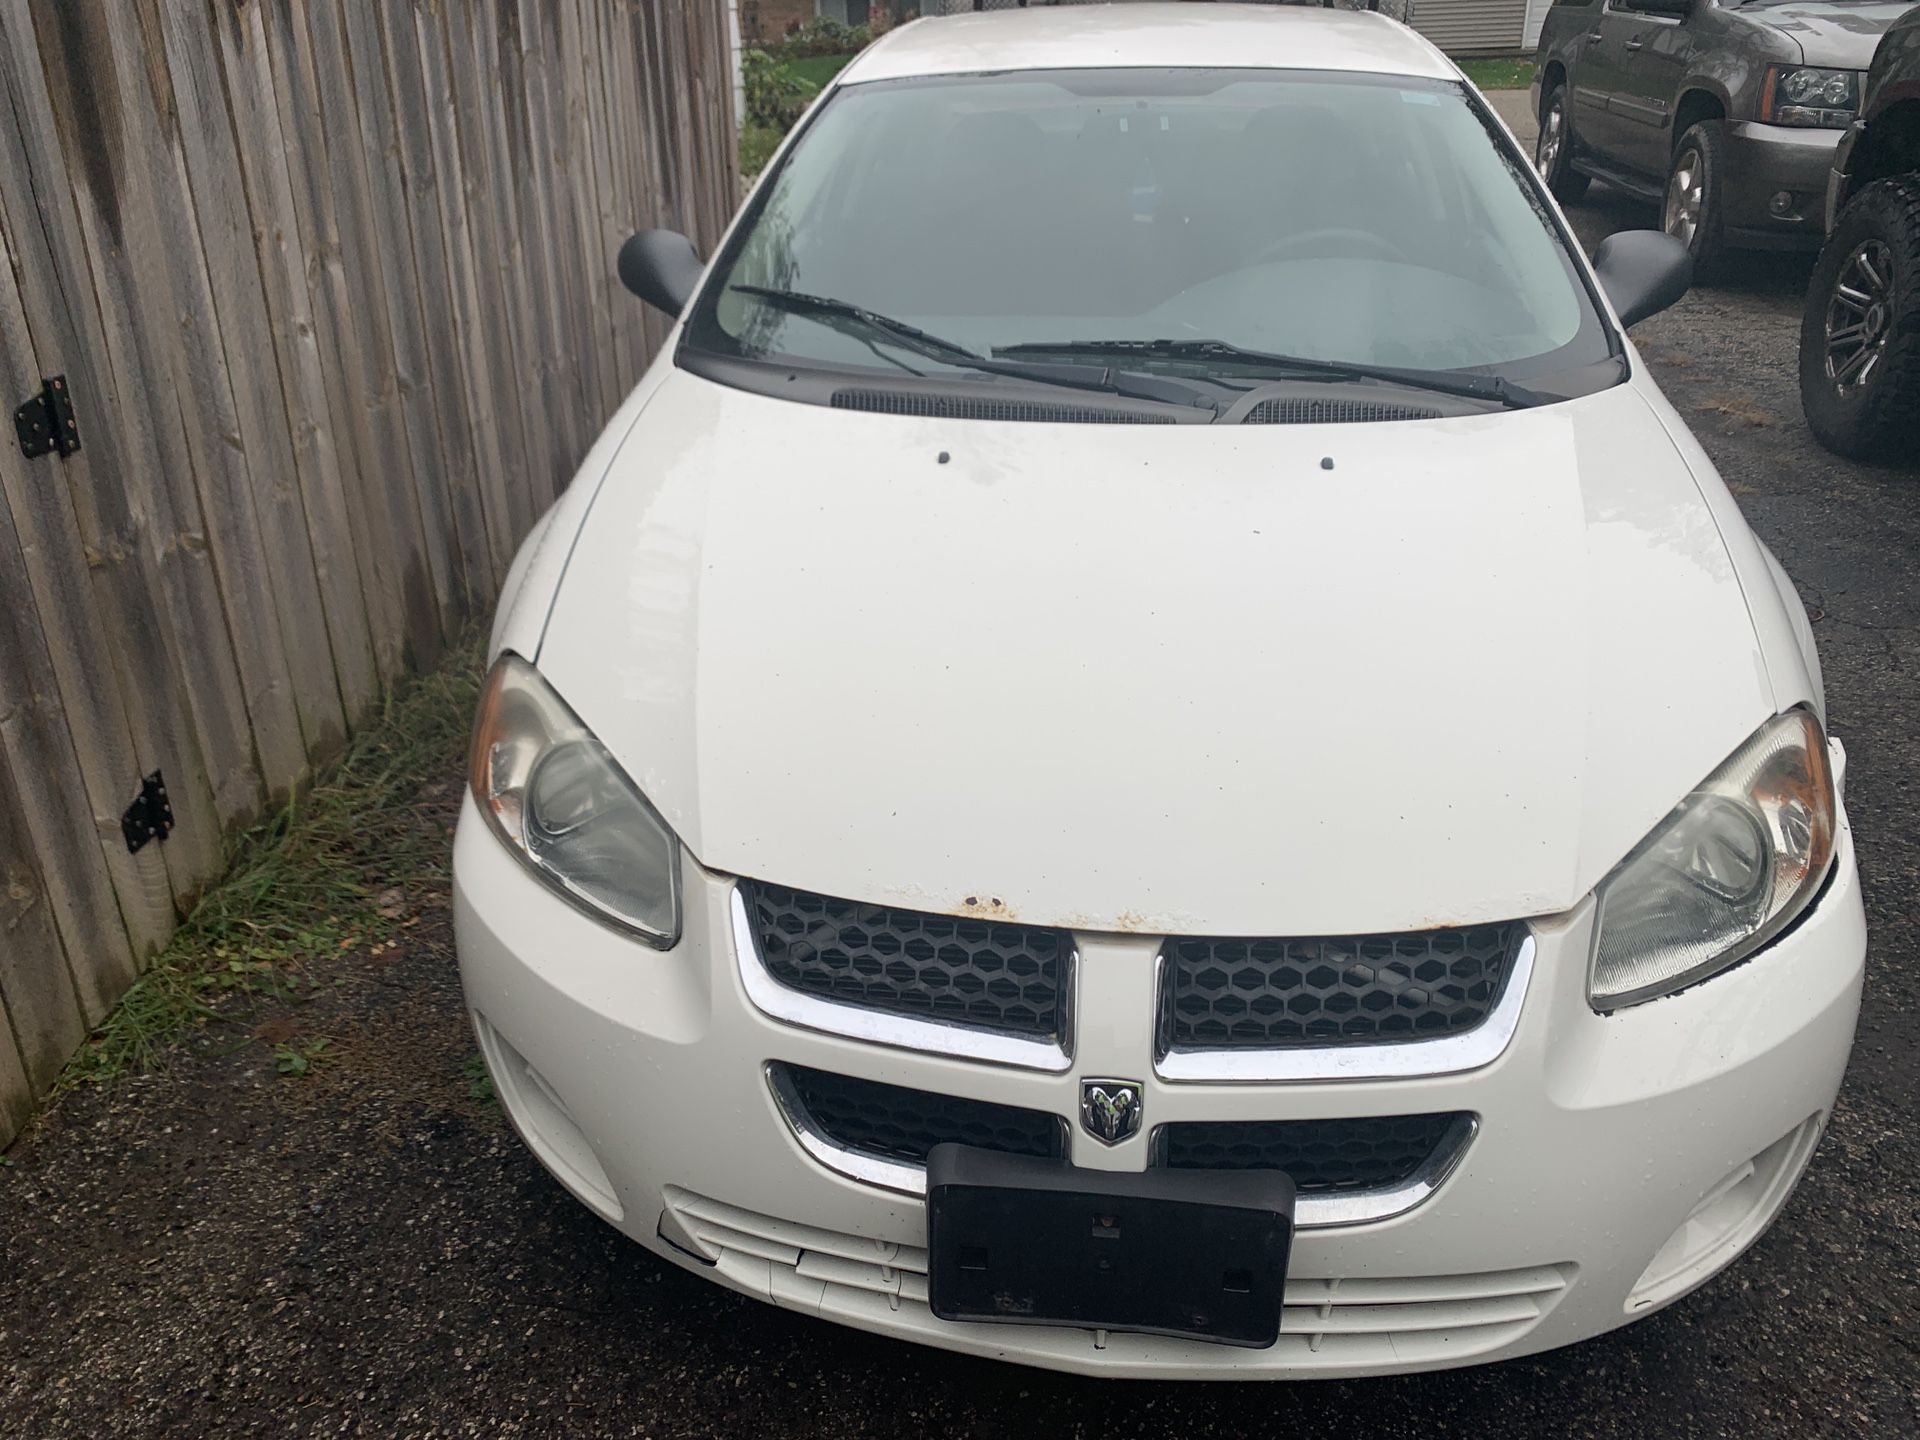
(757, 144)
(1512, 72)
(816, 70)
(301, 888)
(479, 1082)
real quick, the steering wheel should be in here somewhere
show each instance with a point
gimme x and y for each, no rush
(1378, 244)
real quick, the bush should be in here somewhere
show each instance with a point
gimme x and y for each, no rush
(774, 97)
(757, 144)
(821, 36)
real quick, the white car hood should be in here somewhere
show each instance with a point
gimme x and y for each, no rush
(1158, 678)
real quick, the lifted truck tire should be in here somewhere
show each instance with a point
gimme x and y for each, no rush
(1860, 332)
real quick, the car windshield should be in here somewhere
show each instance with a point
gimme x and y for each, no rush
(1367, 219)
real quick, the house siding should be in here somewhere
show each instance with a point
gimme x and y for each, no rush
(1473, 27)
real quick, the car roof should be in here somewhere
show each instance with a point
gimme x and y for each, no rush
(1180, 36)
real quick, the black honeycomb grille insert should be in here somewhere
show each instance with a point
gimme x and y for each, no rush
(1333, 412)
(902, 1124)
(987, 974)
(981, 407)
(1366, 989)
(1320, 1155)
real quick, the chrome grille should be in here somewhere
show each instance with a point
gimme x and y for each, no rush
(986, 974)
(1369, 989)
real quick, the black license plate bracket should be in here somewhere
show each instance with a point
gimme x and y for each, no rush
(1199, 1254)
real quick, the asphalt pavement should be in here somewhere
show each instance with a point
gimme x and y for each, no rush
(214, 1250)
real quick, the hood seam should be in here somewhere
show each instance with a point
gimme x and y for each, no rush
(573, 544)
(1746, 599)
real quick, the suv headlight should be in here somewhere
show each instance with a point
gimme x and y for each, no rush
(561, 803)
(1809, 95)
(1732, 866)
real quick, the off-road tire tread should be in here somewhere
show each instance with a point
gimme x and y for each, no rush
(1884, 419)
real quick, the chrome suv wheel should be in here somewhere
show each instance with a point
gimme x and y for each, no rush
(1690, 208)
(1680, 216)
(1553, 152)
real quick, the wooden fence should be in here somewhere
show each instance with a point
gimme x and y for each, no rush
(331, 285)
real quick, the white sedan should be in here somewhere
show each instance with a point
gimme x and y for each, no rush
(955, 850)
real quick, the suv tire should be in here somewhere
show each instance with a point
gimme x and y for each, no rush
(1553, 151)
(1690, 206)
(1860, 333)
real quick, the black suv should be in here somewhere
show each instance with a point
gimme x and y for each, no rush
(1860, 335)
(1726, 114)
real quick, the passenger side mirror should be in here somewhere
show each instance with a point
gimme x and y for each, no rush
(1643, 272)
(660, 266)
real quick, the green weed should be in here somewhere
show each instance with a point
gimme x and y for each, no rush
(330, 873)
(298, 1060)
(479, 1082)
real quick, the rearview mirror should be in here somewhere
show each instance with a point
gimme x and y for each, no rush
(1643, 272)
(660, 266)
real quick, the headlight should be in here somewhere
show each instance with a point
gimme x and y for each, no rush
(1808, 95)
(564, 806)
(1728, 870)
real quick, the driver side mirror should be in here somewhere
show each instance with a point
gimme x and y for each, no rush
(1643, 272)
(660, 266)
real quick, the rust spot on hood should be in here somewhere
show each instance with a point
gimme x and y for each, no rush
(986, 907)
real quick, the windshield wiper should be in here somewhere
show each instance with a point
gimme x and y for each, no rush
(1441, 382)
(1101, 378)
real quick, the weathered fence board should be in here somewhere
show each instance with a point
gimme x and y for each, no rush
(175, 308)
(43, 1014)
(165, 629)
(352, 95)
(332, 286)
(284, 269)
(58, 590)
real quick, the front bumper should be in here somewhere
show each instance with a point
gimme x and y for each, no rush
(1764, 161)
(1620, 1160)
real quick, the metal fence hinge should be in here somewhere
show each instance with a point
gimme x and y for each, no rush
(150, 817)
(45, 423)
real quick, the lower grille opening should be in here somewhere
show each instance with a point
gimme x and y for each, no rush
(1370, 1153)
(1325, 1157)
(901, 1124)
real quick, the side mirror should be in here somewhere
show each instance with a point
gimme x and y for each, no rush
(1643, 272)
(660, 266)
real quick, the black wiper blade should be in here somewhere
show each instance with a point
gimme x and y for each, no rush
(1100, 378)
(1441, 382)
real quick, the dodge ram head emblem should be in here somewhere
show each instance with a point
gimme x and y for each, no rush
(1110, 1109)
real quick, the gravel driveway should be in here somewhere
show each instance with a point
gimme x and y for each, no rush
(366, 1250)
